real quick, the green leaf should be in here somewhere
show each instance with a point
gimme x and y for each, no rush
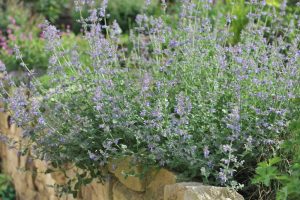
(266, 172)
(274, 161)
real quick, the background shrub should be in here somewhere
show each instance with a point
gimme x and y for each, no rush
(20, 27)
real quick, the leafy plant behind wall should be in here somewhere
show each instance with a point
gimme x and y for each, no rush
(7, 191)
(284, 170)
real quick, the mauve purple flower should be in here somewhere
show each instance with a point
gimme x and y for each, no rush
(17, 52)
(269, 141)
(157, 113)
(151, 147)
(206, 152)
(239, 60)
(143, 113)
(79, 4)
(146, 82)
(41, 121)
(228, 19)
(147, 2)
(93, 16)
(185, 135)
(222, 176)
(62, 139)
(225, 161)
(35, 105)
(233, 121)
(102, 10)
(93, 156)
(52, 36)
(184, 105)
(173, 43)
(210, 164)
(115, 30)
(139, 19)
(18, 104)
(226, 148)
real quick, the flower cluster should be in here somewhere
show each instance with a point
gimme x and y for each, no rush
(181, 97)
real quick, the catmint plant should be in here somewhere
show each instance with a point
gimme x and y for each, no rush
(182, 97)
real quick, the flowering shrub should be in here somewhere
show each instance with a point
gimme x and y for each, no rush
(18, 26)
(182, 98)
